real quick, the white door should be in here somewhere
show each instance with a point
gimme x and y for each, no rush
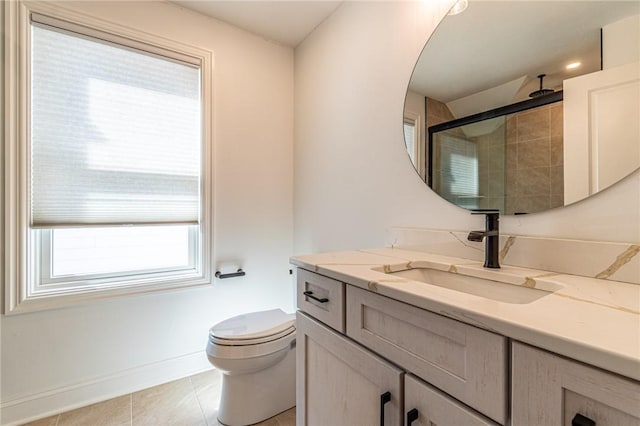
(601, 129)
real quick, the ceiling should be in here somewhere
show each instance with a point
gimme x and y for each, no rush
(496, 42)
(489, 45)
(285, 22)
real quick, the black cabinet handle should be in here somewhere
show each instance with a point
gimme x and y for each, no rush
(384, 398)
(412, 416)
(310, 295)
(580, 420)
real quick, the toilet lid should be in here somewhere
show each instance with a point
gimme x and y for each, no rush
(252, 327)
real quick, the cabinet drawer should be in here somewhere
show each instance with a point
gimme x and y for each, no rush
(324, 299)
(436, 408)
(464, 361)
(551, 390)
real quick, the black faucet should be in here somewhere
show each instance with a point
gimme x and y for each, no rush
(491, 235)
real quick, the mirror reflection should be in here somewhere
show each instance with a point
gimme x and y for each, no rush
(525, 106)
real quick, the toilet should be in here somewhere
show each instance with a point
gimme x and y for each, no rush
(256, 354)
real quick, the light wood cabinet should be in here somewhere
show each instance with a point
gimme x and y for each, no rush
(466, 362)
(441, 371)
(339, 383)
(321, 297)
(551, 390)
(427, 406)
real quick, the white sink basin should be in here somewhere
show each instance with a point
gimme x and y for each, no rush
(489, 289)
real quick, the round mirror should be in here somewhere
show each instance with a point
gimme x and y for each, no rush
(524, 106)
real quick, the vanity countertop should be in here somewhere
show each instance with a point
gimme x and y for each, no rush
(591, 320)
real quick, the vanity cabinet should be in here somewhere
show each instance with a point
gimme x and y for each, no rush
(466, 362)
(551, 390)
(358, 379)
(366, 359)
(339, 383)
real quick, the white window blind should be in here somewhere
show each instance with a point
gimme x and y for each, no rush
(115, 134)
(458, 176)
(410, 139)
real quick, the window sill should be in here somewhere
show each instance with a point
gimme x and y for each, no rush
(48, 299)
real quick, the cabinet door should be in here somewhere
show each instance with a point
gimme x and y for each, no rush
(427, 406)
(340, 383)
(466, 362)
(550, 390)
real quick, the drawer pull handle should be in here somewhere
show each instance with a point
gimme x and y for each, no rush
(384, 398)
(580, 420)
(310, 295)
(412, 416)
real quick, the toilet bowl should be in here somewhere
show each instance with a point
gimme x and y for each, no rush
(256, 354)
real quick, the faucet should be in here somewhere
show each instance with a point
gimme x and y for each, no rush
(491, 235)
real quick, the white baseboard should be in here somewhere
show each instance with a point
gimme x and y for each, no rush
(44, 404)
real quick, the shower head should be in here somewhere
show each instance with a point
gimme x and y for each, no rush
(541, 91)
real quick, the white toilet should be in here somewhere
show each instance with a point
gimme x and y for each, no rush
(256, 354)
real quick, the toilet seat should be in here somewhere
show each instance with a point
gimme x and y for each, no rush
(240, 352)
(248, 342)
(256, 354)
(253, 328)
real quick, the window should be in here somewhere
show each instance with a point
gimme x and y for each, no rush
(456, 170)
(114, 192)
(414, 141)
(75, 257)
(410, 139)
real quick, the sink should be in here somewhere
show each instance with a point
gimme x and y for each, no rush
(489, 289)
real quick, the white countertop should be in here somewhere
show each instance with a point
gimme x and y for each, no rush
(591, 320)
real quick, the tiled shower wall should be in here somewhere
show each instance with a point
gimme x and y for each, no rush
(492, 166)
(437, 113)
(535, 176)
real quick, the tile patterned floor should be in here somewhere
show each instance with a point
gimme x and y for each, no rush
(191, 401)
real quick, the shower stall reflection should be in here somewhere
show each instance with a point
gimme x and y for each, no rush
(511, 163)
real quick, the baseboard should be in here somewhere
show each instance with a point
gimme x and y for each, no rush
(44, 404)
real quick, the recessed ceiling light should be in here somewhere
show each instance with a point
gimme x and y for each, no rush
(459, 7)
(573, 65)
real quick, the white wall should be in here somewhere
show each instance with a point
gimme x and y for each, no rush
(414, 103)
(55, 358)
(621, 42)
(353, 178)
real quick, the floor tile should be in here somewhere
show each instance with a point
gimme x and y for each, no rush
(207, 387)
(173, 403)
(48, 421)
(287, 418)
(208, 381)
(114, 412)
(192, 401)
